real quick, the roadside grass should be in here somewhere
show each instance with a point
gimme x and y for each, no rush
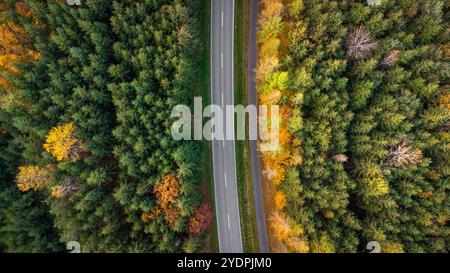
(244, 177)
(202, 88)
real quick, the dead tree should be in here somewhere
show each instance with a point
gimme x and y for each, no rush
(360, 44)
(403, 154)
(340, 158)
(390, 59)
(68, 188)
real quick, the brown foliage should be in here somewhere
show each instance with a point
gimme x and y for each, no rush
(328, 214)
(390, 59)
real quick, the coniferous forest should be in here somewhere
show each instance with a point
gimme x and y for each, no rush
(87, 153)
(364, 94)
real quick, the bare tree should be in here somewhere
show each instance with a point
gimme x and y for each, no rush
(403, 154)
(340, 158)
(360, 44)
(390, 59)
(68, 187)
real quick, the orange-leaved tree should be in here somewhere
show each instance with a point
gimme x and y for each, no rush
(167, 192)
(15, 44)
(280, 200)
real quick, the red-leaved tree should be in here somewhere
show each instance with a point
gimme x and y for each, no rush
(201, 220)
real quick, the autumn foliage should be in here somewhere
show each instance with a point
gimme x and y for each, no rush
(167, 194)
(104, 84)
(280, 200)
(272, 85)
(168, 191)
(62, 143)
(290, 234)
(201, 219)
(15, 44)
(33, 177)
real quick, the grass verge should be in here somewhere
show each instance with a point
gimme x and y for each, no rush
(244, 179)
(203, 10)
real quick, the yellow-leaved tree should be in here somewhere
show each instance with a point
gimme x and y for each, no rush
(322, 244)
(280, 200)
(63, 144)
(33, 177)
(391, 247)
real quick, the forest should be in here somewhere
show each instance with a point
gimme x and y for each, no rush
(364, 92)
(86, 150)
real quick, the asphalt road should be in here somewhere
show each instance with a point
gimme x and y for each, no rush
(224, 153)
(254, 154)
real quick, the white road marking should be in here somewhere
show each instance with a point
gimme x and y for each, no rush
(215, 145)
(221, 59)
(222, 97)
(225, 175)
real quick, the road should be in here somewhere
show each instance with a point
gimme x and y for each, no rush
(224, 153)
(254, 154)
